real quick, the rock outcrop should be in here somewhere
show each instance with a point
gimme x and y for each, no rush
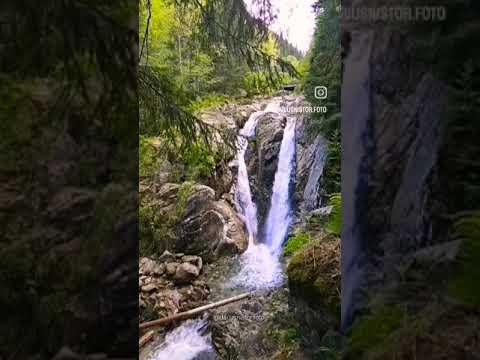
(311, 158)
(210, 228)
(262, 160)
(201, 225)
(394, 111)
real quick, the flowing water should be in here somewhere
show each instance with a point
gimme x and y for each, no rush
(185, 342)
(260, 266)
(280, 214)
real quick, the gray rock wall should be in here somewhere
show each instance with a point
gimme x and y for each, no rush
(392, 127)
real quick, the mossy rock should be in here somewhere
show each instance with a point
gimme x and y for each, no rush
(463, 286)
(315, 272)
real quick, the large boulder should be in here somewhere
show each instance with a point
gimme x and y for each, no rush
(186, 273)
(208, 227)
(200, 224)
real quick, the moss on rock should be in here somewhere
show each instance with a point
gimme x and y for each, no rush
(315, 271)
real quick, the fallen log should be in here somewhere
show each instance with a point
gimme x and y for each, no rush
(191, 313)
(145, 339)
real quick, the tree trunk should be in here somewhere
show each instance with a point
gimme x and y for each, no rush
(191, 313)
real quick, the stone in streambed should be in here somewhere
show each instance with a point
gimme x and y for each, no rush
(171, 268)
(151, 267)
(194, 260)
(149, 287)
(167, 256)
(186, 273)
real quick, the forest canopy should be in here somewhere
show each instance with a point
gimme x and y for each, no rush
(196, 54)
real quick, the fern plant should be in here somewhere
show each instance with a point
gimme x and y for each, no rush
(334, 224)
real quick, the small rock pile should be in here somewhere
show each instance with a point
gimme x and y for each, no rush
(169, 285)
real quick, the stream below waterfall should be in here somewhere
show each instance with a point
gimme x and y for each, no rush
(260, 266)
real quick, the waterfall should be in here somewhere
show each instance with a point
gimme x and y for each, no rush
(243, 194)
(260, 263)
(280, 214)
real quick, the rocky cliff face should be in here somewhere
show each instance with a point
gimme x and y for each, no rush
(262, 160)
(393, 121)
(311, 157)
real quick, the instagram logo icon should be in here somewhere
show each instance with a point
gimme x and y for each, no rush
(321, 92)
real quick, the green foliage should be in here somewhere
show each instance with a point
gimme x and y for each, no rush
(324, 70)
(390, 332)
(462, 149)
(185, 191)
(146, 156)
(199, 160)
(157, 234)
(331, 181)
(208, 102)
(193, 49)
(296, 243)
(257, 83)
(373, 331)
(286, 339)
(330, 348)
(289, 338)
(464, 285)
(334, 223)
(157, 230)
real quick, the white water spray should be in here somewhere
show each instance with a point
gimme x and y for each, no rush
(243, 194)
(184, 342)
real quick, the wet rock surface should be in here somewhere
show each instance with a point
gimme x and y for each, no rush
(310, 163)
(262, 159)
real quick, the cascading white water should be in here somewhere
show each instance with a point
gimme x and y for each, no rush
(280, 214)
(243, 194)
(184, 342)
(260, 263)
